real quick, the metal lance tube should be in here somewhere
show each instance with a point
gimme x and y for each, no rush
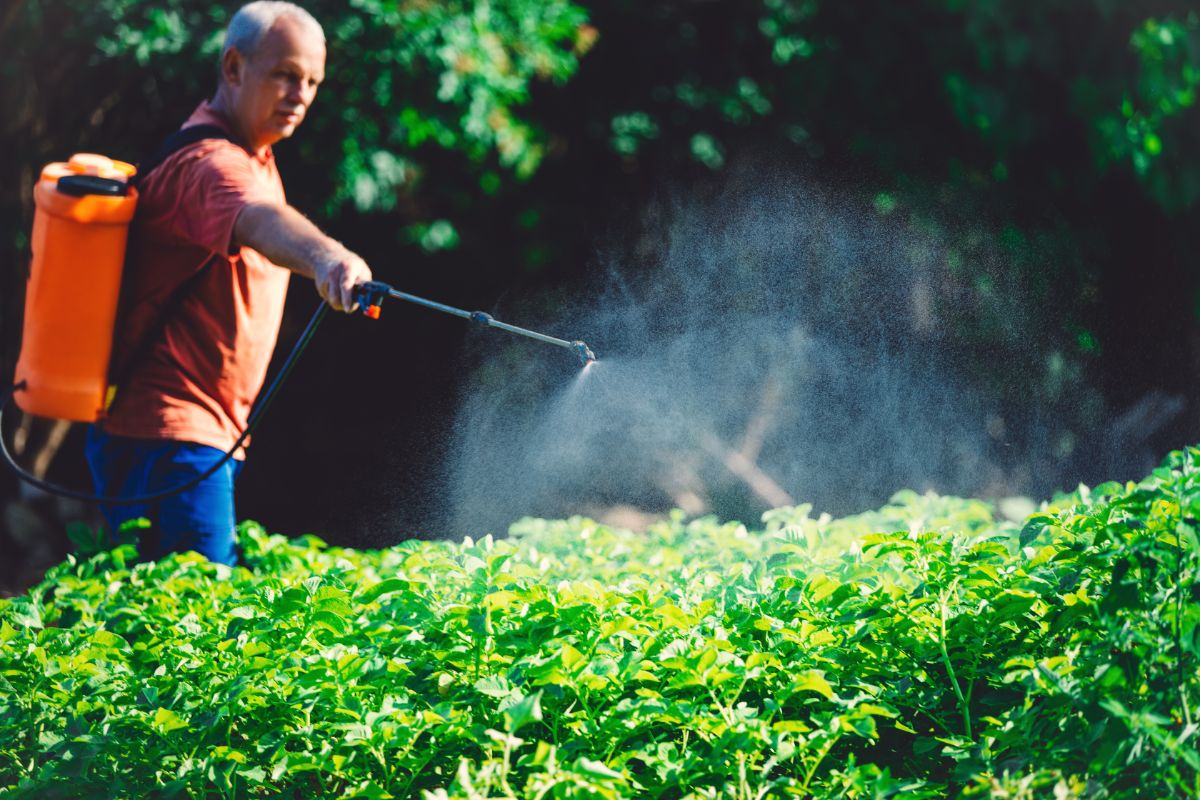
(372, 291)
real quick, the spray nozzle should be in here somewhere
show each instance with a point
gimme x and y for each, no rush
(586, 356)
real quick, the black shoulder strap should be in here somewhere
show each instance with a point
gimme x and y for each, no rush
(176, 142)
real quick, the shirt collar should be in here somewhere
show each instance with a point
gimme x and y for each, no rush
(205, 114)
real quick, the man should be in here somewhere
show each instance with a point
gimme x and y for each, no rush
(211, 252)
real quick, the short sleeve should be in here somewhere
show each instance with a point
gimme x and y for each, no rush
(208, 185)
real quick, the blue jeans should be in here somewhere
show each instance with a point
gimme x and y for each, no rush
(201, 518)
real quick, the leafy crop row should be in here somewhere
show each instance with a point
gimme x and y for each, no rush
(922, 650)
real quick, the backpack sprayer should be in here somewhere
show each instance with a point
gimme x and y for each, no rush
(80, 229)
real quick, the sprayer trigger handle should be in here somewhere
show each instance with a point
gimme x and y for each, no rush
(370, 297)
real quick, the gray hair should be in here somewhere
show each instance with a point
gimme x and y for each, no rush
(253, 20)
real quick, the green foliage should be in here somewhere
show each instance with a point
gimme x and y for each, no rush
(917, 651)
(407, 76)
(1147, 131)
(405, 79)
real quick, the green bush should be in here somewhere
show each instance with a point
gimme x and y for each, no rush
(920, 650)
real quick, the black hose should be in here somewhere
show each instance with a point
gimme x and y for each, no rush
(256, 417)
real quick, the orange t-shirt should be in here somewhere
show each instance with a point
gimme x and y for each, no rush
(198, 373)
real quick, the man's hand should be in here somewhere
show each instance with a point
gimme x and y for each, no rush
(337, 277)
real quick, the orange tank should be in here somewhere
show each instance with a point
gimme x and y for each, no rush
(84, 207)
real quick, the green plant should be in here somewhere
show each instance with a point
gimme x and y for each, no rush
(917, 651)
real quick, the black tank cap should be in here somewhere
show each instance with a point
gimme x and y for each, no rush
(83, 185)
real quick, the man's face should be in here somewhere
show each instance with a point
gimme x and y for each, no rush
(272, 90)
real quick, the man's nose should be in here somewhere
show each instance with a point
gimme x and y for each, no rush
(301, 93)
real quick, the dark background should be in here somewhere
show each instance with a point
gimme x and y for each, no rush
(1052, 144)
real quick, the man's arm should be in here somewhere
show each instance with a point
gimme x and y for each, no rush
(287, 238)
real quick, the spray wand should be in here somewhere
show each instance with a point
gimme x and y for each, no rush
(371, 296)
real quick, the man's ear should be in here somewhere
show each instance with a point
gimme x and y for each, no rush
(231, 67)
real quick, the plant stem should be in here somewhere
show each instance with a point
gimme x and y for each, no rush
(1178, 626)
(414, 773)
(962, 701)
(35, 729)
(726, 714)
(504, 767)
(813, 769)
